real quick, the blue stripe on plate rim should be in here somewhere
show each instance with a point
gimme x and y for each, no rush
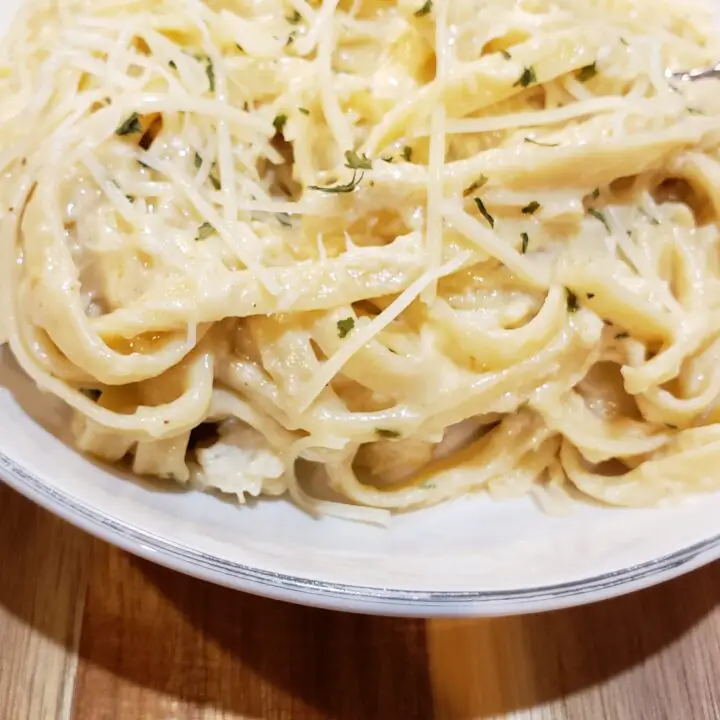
(357, 598)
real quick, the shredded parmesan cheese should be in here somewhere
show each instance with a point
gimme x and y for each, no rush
(424, 248)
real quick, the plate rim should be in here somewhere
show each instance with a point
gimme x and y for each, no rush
(343, 596)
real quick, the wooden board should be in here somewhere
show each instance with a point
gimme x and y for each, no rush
(88, 632)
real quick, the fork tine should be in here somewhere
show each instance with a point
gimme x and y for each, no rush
(697, 74)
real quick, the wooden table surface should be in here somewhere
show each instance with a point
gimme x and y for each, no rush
(89, 632)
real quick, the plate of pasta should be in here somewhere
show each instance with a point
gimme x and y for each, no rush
(399, 306)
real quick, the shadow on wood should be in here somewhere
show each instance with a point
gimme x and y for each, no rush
(486, 668)
(43, 577)
(158, 644)
(249, 657)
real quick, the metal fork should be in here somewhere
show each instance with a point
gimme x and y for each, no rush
(697, 74)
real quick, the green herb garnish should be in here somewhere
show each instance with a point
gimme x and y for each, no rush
(525, 242)
(541, 144)
(595, 194)
(205, 231)
(210, 72)
(599, 216)
(131, 126)
(531, 208)
(279, 123)
(480, 182)
(387, 158)
(426, 9)
(590, 296)
(387, 434)
(346, 188)
(303, 110)
(345, 327)
(572, 301)
(357, 162)
(173, 65)
(284, 219)
(483, 211)
(528, 77)
(294, 18)
(587, 73)
(506, 54)
(212, 177)
(407, 153)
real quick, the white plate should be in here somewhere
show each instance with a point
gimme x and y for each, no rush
(472, 557)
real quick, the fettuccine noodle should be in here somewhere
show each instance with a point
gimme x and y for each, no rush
(376, 254)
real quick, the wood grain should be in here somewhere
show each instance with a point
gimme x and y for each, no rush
(88, 632)
(154, 641)
(43, 579)
(654, 654)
